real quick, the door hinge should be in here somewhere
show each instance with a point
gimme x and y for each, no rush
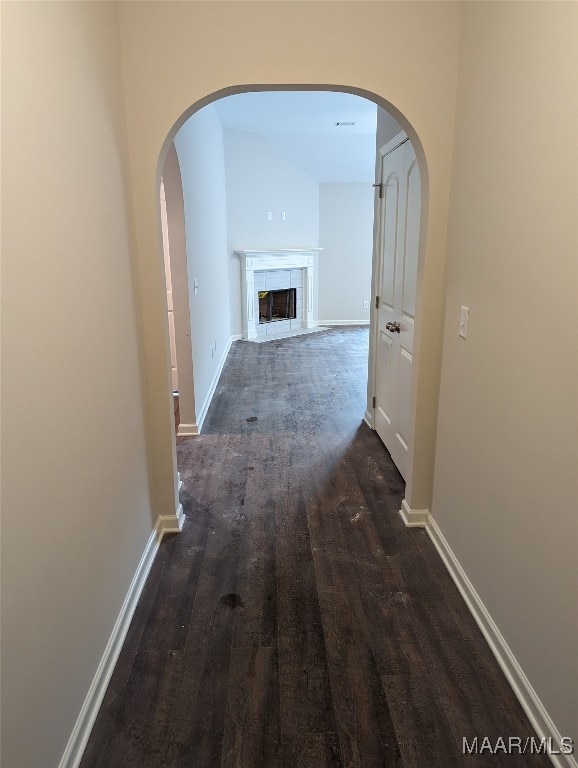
(380, 185)
(377, 302)
(374, 401)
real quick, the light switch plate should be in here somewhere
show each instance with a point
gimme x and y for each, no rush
(464, 317)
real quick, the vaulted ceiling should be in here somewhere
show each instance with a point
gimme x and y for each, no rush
(331, 135)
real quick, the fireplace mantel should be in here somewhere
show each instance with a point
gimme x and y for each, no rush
(266, 260)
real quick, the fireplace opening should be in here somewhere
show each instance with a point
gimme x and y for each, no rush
(277, 305)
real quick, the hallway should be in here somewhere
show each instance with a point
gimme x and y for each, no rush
(296, 621)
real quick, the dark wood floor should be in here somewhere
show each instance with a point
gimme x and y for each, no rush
(295, 621)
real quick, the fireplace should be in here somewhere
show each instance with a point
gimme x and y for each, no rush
(277, 305)
(278, 289)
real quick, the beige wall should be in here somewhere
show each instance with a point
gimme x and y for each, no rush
(75, 499)
(176, 54)
(76, 507)
(505, 479)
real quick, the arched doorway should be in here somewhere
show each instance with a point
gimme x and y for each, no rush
(421, 441)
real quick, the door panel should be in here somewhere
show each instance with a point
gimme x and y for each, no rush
(413, 209)
(389, 237)
(384, 397)
(403, 385)
(397, 284)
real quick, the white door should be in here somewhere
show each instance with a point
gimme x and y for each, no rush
(398, 243)
(167, 258)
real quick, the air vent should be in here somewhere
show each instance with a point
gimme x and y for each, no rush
(342, 124)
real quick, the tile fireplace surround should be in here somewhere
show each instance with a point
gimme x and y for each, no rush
(277, 270)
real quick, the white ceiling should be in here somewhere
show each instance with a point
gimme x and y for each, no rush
(301, 125)
(287, 112)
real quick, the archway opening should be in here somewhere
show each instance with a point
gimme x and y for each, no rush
(193, 424)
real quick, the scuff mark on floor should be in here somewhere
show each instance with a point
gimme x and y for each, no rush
(358, 515)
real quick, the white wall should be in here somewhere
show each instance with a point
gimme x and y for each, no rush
(505, 491)
(260, 179)
(329, 157)
(76, 512)
(199, 145)
(346, 236)
(387, 128)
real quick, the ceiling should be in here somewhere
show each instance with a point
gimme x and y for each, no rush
(302, 126)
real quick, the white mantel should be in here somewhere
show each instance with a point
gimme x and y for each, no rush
(266, 260)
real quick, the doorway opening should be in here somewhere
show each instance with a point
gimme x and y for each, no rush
(276, 305)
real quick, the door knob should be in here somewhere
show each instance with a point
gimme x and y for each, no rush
(393, 327)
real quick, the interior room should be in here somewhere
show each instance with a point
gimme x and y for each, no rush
(296, 574)
(270, 170)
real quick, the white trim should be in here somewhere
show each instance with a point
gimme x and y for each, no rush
(89, 711)
(368, 418)
(288, 253)
(343, 322)
(186, 430)
(287, 258)
(172, 523)
(399, 139)
(527, 696)
(205, 407)
(413, 518)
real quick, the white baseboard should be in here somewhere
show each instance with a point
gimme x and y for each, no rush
(527, 696)
(413, 518)
(205, 407)
(172, 523)
(343, 322)
(85, 721)
(186, 430)
(368, 418)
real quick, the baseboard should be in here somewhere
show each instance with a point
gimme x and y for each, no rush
(527, 696)
(205, 407)
(343, 322)
(172, 523)
(413, 518)
(368, 418)
(186, 430)
(85, 721)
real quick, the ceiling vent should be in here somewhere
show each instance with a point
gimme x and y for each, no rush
(342, 124)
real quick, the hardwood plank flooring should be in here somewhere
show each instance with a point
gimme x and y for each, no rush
(295, 622)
